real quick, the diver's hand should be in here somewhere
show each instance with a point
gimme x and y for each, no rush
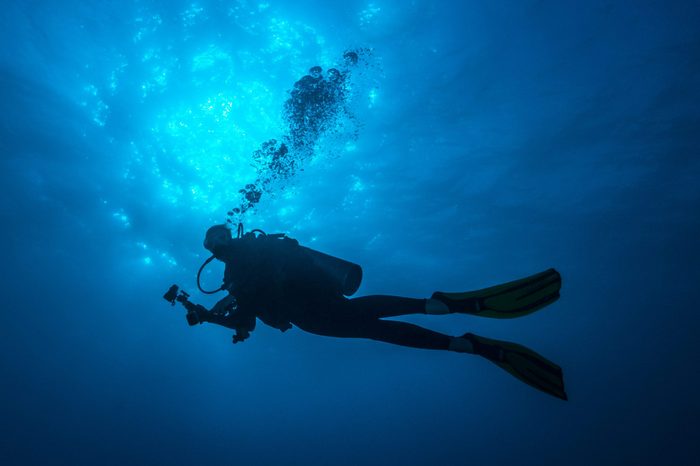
(223, 305)
(196, 313)
(241, 335)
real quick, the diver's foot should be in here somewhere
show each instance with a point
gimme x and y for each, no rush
(436, 307)
(471, 344)
(463, 344)
(521, 362)
(452, 305)
(491, 350)
(509, 300)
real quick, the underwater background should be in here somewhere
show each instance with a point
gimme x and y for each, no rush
(483, 142)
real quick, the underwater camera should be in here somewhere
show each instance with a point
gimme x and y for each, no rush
(172, 296)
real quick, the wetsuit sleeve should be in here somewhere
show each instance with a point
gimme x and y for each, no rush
(237, 318)
(241, 319)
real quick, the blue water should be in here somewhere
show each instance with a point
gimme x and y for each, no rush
(489, 141)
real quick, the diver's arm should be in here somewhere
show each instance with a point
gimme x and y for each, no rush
(242, 320)
(238, 318)
(242, 324)
(218, 313)
(235, 321)
(224, 305)
(227, 314)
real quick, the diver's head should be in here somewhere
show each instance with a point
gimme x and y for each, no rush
(315, 72)
(333, 74)
(217, 239)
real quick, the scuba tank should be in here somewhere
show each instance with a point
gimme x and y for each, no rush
(346, 275)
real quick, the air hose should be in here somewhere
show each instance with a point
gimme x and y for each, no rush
(239, 234)
(199, 274)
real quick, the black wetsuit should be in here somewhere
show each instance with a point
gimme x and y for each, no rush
(276, 281)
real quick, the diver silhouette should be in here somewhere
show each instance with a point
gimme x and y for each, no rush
(275, 279)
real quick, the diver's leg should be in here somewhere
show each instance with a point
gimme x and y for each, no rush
(389, 331)
(345, 319)
(404, 334)
(361, 318)
(379, 306)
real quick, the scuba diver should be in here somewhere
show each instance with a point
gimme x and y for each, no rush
(275, 279)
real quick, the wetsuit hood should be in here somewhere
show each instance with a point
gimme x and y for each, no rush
(217, 239)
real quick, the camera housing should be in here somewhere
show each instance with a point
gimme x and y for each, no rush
(171, 294)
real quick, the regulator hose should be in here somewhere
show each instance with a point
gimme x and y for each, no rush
(239, 234)
(199, 274)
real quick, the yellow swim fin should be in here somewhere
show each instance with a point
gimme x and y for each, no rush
(513, 299)
(522, 363)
